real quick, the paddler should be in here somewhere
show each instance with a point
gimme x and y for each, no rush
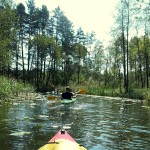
(68, 94)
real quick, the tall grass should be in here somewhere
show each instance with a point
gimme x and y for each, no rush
(141, 94)
(10, 86)
(102, 91)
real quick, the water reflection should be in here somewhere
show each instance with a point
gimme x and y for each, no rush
(97, 123)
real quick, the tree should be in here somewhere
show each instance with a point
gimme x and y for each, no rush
(79, 53)
(123, 22)
(63, 32)
(22, 23)
(98, 60)
(7, 35)
(31, 32)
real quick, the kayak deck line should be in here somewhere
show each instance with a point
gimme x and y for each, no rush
(62, 134)
(62, 141)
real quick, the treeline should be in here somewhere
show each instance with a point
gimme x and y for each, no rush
(42, 47)
(130, 49)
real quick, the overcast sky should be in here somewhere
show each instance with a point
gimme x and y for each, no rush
(90, 15)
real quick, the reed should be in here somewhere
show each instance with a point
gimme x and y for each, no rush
(10, 87)
(141, 94)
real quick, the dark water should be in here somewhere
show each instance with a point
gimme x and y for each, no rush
(96, 123)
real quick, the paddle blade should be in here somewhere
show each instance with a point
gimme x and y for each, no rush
(82, 91)
(52, 97)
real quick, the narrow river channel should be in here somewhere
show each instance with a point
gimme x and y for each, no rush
(98, 123)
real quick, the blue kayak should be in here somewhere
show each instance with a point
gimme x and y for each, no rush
(68, 101)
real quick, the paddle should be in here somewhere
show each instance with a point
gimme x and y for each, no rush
(82, 91)
(52, 97)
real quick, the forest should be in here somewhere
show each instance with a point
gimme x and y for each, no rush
(40, 46)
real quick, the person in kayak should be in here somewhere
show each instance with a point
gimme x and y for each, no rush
(68, 94)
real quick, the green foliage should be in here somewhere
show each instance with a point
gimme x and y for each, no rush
(49, 48)
(7, 33)
(9, 86)
(79, 51)
(134, 94)
(103, 91)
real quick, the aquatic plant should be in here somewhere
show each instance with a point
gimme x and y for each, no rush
(10, 87)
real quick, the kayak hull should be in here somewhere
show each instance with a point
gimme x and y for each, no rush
(62, 141)
(68, 101)
(62, 145)
(62, 134)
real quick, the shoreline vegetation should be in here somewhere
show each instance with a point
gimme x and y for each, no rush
(12, 89)
(42, 47)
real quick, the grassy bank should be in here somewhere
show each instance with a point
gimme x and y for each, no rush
(141, 94)
(9, 86)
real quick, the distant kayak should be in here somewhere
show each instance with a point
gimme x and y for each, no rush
(67, 101)
(62, 141)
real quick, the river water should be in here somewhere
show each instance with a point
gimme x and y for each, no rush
(98, 123)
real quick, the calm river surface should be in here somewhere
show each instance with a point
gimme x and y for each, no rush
(95, 122)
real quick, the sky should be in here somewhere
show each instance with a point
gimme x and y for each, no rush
(90, 15)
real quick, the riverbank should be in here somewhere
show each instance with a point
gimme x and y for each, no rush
(134, 94)
(9, 87)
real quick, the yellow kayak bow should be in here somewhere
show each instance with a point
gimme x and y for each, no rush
(62, 141)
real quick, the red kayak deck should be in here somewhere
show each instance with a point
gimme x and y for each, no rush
(62, 141)
(62, 134)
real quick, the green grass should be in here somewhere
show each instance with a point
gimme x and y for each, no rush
(9, 86)
(141, 94)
